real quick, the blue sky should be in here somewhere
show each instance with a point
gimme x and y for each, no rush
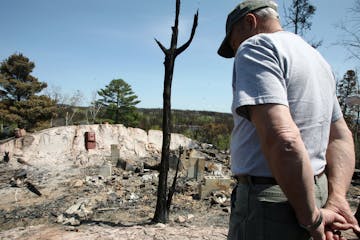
(84, 44)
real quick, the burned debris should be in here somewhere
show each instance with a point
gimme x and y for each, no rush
(20, 180)
(125, 193)
(6, 157)
(108, 185)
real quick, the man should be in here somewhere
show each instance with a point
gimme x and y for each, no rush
(288, 132)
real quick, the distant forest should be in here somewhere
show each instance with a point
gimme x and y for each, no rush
(203, 126)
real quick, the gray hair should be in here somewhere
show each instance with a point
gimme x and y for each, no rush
(267, 13)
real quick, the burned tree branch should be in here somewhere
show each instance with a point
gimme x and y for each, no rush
(177, 13)
(165, 51)
(187, 44)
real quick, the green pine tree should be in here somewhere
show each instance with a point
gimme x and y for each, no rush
(298, 16)
(119, 101)
(346, 87)
(20, 103)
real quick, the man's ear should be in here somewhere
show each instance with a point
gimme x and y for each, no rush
(251, 21)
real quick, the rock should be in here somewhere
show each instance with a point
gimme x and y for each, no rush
(72, 221)
(218, 198)
(78, 183)
(82, 209)
(16, 182)
(97, 181)
(106, 170)
(214, 168)
(112, 197)
(146, 178)
(130, 167)
(21, 174)
(149, 177)
(180, 219)
(126, 175)
(133, 197)
(60, 218)
(214, 183)
(160, 225)
(195, 154)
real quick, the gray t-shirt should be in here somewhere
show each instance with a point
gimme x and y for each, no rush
(281, 68)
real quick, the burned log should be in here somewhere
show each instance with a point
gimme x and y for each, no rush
(32, 188)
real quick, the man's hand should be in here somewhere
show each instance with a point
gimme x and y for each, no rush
(319, 232)
(340, 205)
(340, 158)
(332, 223)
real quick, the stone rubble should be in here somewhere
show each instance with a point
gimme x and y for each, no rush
(112, 185)
(110, 192)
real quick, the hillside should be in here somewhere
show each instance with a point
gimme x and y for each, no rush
(203, 126)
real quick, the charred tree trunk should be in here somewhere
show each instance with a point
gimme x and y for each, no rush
(161, 212)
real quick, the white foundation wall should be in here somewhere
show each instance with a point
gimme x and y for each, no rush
(66, 145)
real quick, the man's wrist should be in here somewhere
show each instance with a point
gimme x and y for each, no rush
(313, 226)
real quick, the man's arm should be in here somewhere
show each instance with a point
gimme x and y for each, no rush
(287, 157)
(288, 160)
(340, 157)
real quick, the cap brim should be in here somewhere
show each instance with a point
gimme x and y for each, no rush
(225, 49)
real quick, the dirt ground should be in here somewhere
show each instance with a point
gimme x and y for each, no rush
(90, 232)
(78, 203)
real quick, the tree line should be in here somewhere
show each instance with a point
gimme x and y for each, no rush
(25, 102)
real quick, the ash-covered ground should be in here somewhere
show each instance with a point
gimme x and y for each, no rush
(77, 197)
(78, 202)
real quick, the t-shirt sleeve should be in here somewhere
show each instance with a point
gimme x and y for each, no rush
(337, 113)
(258, 77)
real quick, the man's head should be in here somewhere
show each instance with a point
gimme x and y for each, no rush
(247, 19)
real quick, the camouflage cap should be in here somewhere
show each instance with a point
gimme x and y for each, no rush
(235, 15)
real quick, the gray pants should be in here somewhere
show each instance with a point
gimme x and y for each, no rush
(261, 212)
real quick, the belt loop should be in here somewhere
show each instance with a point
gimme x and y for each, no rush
(316, 179)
